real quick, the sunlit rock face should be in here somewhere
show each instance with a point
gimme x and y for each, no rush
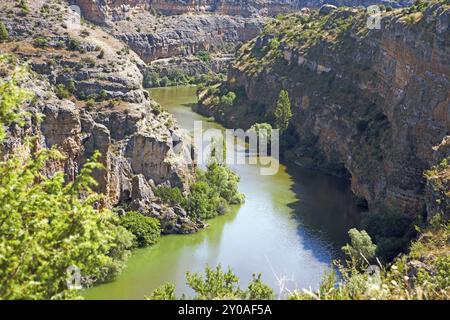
(87, 88)
(368, 104)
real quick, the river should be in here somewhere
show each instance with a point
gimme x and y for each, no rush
(291, 225)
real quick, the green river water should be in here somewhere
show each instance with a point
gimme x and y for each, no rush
(292, 224)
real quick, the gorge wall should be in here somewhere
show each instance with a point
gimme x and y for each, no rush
(373, 105)
(163, 29)
(88, 87)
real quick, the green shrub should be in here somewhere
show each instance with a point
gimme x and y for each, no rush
(4, 35)
(214, 190)
(73, 45)
(228, 99)
(217, 285)
(62, 92)
(24, 9)
(151, 80)
(47, 224)
(146, 230)
(102, 95)
(205, 56)
(264, 129)
(90, 103)
(361, 248)
(170, 195)
(101, 54)
(283, 113)
(165, 82)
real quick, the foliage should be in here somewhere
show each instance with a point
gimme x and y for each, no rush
(217, 284)
(74, 45)
(392, 232)
(151, 80)
(172, 196)
(213, 191)
(62, 92)
(48, 225)
(262, 129)
(424, 273)
(11, 95)
(174, 77)
(283, 113)
(227, 100)
(210, 195)
(4, 35)
(205, 56)
(40, 42)
(361, 248)
(24, 9)
(146, 230)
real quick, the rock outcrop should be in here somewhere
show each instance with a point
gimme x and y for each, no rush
(367, 104)
(88, 87)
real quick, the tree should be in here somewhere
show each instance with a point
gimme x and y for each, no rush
(47, 225)
(3, 32)
(228, 99)
(361, 247)
(283, 113)
(146, 230)
(217, 284)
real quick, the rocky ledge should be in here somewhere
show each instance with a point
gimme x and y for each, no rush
(88, 87)
(370, 105)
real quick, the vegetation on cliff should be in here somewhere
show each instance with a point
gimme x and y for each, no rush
(216, 284)
(146, 230)
(213, 191)
(422, 274)
(283, 113)
(48, 225)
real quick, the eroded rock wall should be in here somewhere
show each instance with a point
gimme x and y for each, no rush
(370, 104)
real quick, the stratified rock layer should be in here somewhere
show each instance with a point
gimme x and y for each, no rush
(88, 87)
(369, 104)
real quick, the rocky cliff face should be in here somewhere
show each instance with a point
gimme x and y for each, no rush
(368, 104)
(88, 87)
(161, 29)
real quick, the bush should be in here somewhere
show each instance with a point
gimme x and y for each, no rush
(40, 42)
(62, 92)
(24, 9)
(165, 82)
(361, 248)
(170, 195)
(4, 36)
(48, 225)
(283, 113)
(205, 56)
(146, 230)
(151, 80)
(263, 129)
(217, 285)
(228, 99)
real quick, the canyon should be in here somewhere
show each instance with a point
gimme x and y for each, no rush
(88, 87)
(369, 105)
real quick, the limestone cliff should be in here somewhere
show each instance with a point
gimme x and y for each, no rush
(367, 104)
(88, 87)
